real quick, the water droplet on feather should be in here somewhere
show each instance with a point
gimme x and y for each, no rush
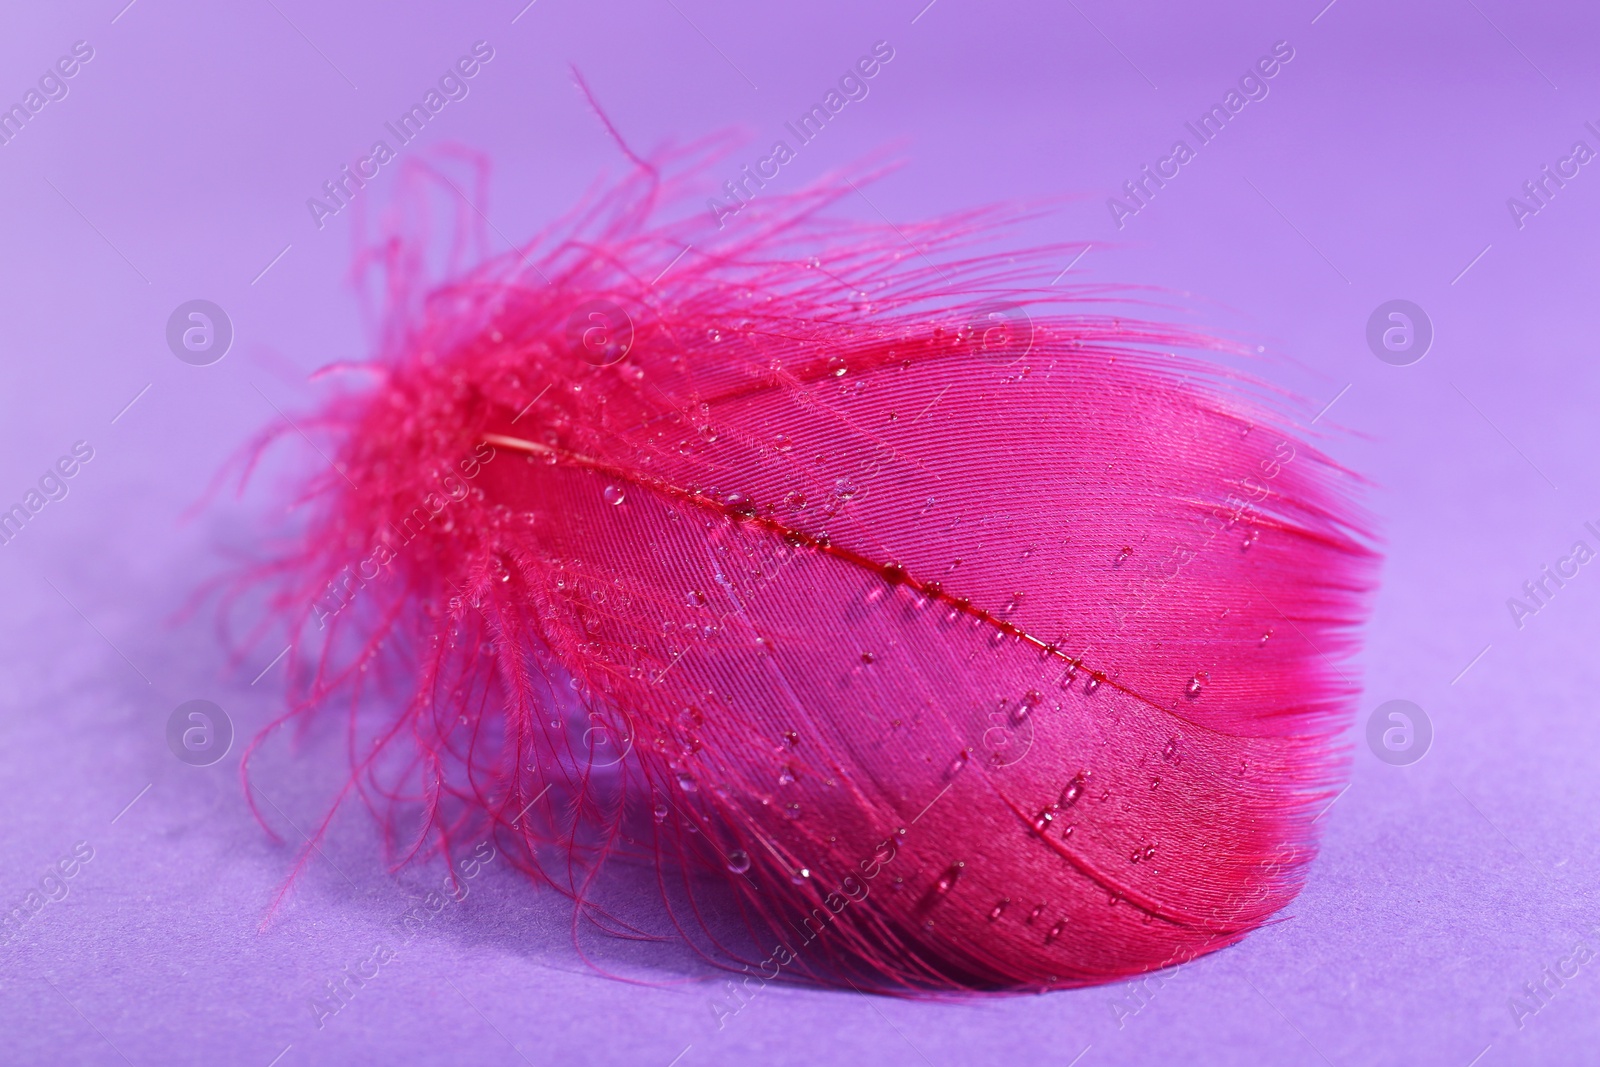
(1073, 791)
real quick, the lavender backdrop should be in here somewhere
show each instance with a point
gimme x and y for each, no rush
(1378, 166)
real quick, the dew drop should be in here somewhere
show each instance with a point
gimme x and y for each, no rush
(947, 880)
(1170, 753)
(738, 861)
(782, 443)
(1095, 678)
(868, 658)
(893, 573)
(1266, 637)
(1124, 554)
(800, 875)
(1193, 689)
(791, 811)
(1055, 931)
(791, 739)
(613, 494)
(695, 598)
(1037, 911)
(795, 500)
(1041, 821)
(660, 811)
(786, 776)
(1074, 791)
(957, 764)
(1068, 831)
(739, 505)
(836, 366)
(1249, 539)
(687, 783)
(999, 909)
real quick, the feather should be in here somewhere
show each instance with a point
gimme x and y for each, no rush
(971, 636)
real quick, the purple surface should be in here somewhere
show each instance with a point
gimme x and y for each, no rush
(178, 165)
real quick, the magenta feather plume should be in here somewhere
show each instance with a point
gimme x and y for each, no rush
(960, 630)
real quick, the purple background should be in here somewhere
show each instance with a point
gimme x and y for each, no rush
(178, 167)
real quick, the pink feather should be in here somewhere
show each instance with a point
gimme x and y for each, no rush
(972, 649)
